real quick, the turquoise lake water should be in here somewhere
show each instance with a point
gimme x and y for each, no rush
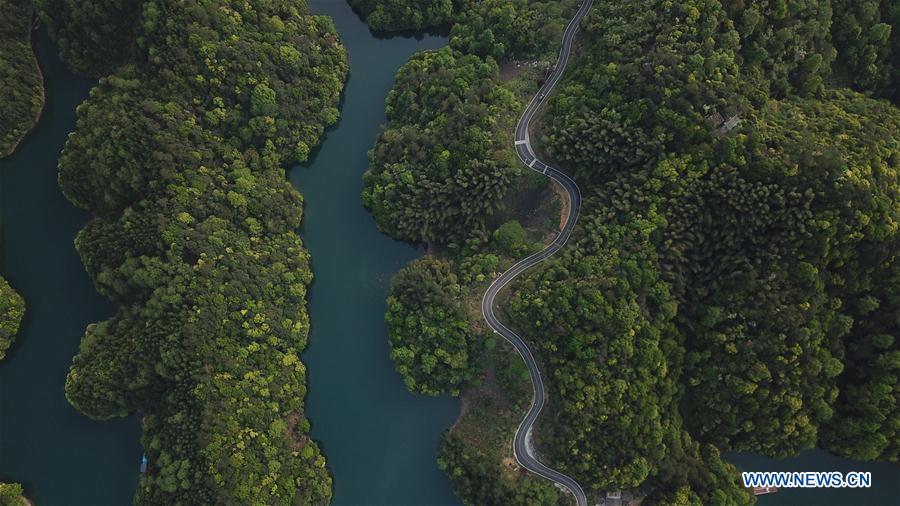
(381, 442)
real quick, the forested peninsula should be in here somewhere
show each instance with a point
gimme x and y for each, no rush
(179, 155)
(21, 85)
(733, 280)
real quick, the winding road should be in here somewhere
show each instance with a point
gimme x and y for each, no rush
(522, 448)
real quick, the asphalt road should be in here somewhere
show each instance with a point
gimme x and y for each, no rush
(522, 448)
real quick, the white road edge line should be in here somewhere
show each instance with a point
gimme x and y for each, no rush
(528, 461)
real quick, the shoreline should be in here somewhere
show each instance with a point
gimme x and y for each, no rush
(43, 92)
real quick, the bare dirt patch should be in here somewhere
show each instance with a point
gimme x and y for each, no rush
(511, 69)
(296, 441)
(566, 204)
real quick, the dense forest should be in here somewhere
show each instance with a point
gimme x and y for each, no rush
(494, 28)
(179, 155)
(439, 174)
(777, 242)
(95, 37)
(423, 309)
(732, 283)
(21, 84)
(404, 14)
(867, 36)
(12, 309)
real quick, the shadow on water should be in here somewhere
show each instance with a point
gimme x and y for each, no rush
(381, 442)
(442, 31)
(60, 456)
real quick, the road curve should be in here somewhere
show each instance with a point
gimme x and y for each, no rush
(522, 448)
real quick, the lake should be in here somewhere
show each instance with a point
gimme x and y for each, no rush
(381, 442)
(60, 456)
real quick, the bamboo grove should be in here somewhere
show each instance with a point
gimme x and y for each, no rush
(732, 284)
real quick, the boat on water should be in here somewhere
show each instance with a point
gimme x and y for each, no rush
(144, 463)
(764, 490)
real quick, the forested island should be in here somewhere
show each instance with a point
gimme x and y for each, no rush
(179, 156)
(21, 86)
(733, 280)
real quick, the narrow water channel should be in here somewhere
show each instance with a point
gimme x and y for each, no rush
(60, 456)
(381, 442)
